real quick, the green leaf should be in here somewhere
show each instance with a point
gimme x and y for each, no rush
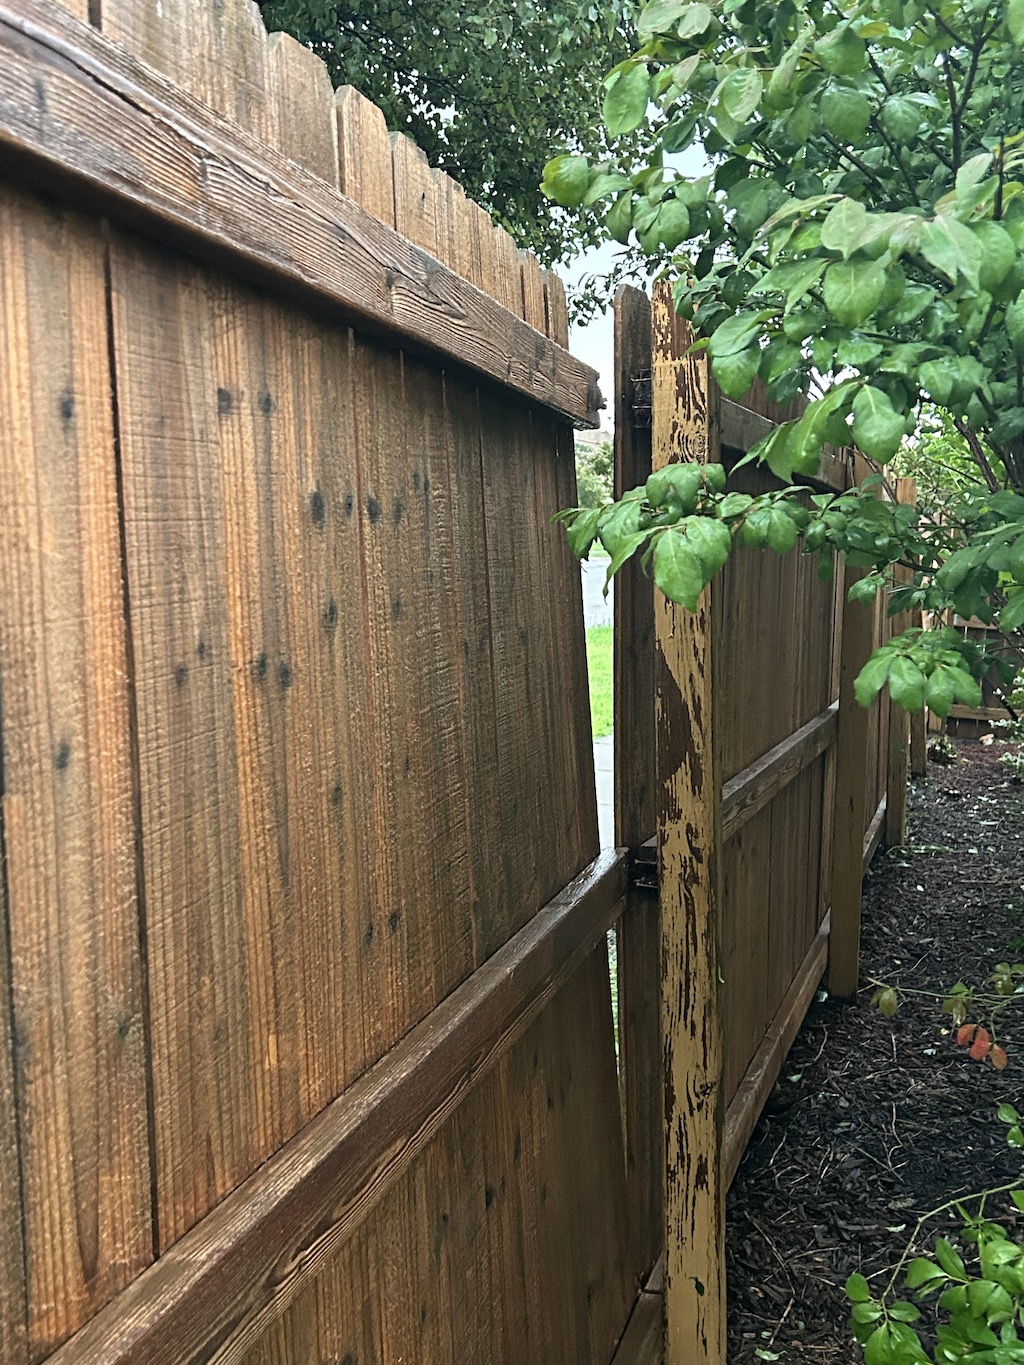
(1012, 615)
(678, 483)
(998, 254)
(735, 334)
(940, 691)
(921, 1272)
(782, 531)
(857, 1289)
(853, 290)
(625, 101)
(1015, 324)
(677, 570)
(566, 180)
(677, 17)
(583, 532)
(872, 678)
(1015, 20)
(843, 52)
(737, 371)
(846, 114)
(877, 427)
(792, 278)
(740, 93)
(906, 683)
(900, 118)
(949, 1260)
(1007, 1114)
(619, 218)
(710, 540)
(603, 185)
(841, 225)
(971, 173)
(786, 69)
(952, 248)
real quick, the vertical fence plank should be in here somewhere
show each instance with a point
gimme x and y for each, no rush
(857, 627)
(506, 282)
(686, 427)
(176, 508)
(557, 310)
(13, 1302)
(68, 803)
(636, 816)
(215, 51)
(364, 154)
(416, 195)
(304, 106)
(533, 291)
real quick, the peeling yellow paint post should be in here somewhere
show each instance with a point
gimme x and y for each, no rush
(686, 427)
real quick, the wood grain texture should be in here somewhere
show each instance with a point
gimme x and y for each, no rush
(13, 1295)
(217, 52)
(176, 547)
(746, 918)
(417, 196)
(754, 788)
(136, 145)
(635, 805)
(211, 1296)
(686, 427)
(746, 1105)
(365, 170)
(638, 933)
(641, 1342)
(850, 814)
(304, 107)
(68, 808)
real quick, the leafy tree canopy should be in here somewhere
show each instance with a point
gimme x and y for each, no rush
(858, 243)
(483, 88)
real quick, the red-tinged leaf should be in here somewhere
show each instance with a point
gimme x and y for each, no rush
(982, 1045)
(998, 1057)
(965, 1034)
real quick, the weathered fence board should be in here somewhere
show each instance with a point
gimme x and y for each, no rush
(685, 427)
(69, 831)
(129, 142)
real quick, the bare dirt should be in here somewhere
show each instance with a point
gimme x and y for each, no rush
(876, 1121)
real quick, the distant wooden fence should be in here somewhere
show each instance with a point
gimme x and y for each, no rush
(770, 800)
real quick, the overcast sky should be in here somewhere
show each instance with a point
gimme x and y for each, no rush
(593, 343)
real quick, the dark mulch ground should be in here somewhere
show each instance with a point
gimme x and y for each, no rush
(875, 1121)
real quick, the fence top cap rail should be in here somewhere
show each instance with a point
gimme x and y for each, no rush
(125, 139)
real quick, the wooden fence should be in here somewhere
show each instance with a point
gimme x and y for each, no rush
(310, 1051)
(306, 1039)
(769, 799)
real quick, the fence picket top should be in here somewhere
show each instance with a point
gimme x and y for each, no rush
(365, 171)
(216, 52)
(304, 103)
(533, 291)
(417, 196)
(508, 284)
(556, 309)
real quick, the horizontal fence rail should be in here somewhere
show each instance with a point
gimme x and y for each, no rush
(119, 136)
(210, 1296)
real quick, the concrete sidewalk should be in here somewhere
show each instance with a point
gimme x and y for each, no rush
(604, 772)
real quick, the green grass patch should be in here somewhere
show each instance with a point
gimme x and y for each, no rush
(599, 667)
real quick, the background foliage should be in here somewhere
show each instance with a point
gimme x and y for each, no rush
(483, 88)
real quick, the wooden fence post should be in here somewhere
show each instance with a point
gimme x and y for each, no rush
(857, 625)
(686, 427)
(636, 813)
